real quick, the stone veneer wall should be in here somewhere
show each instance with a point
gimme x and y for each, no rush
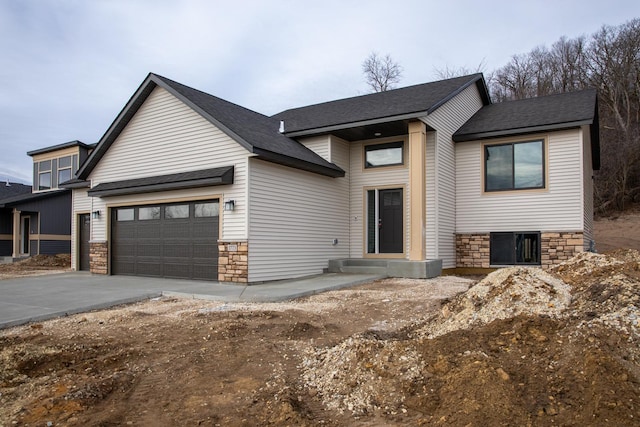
(98, 257)
(233, 264)
(559, 247)
(473, 250)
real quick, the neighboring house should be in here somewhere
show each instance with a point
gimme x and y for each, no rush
(185, 184)
(38, 221)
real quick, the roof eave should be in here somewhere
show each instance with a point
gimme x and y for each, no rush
(154, 188)
(75, 184)
(132, 107)
(204, 114)
(342, 126)
(118, 124)
(519, 131)
(333, 172)
(52, 148)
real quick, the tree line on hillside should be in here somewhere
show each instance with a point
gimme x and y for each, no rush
(608, 60)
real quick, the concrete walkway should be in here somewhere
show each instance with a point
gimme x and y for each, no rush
(38, 298)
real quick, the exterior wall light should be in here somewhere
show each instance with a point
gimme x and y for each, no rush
(95, 214)
(230, 205)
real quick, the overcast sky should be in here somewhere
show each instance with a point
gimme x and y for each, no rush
(69, 66)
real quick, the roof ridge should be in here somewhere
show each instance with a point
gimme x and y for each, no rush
(380, 94)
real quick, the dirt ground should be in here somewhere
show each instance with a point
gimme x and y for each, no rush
(522, 347)
(36, 265)
(618, 231)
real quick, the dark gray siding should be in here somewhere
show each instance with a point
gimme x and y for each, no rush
(6, 221)
(6, 247)
(53, 247)
(55, 213)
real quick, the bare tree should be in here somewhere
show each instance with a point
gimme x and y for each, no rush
(381, 73)
(613, 66)
(610, 62)
(449, 72)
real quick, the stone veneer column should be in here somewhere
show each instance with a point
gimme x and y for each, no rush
(233, 262)
(559, 247)
(98, 257)
(473, 251)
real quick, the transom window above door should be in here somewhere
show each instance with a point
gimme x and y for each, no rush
(379, 155)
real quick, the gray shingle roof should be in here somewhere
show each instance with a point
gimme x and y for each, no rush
(12, 190)
(413, 101)
(29, 197)
(258, 133)
(545, 113)
(564, 110)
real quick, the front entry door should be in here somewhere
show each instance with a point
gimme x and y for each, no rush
(384, 229)
(390, 221)
(25, 236)
(84, 223)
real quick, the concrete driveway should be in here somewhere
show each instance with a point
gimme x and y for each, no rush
(31, 299)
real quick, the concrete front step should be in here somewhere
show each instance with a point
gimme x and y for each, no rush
(389, 267)
(364, 269)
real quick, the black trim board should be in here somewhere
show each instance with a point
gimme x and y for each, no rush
(176, 181)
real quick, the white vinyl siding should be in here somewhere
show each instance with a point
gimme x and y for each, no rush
(361, 179)
(588, 187)
(295, 215)
(319, 145)
(432, 217)
(81, 204)
(557, 208)
(446, 120)
(339, 153)
(166, 136)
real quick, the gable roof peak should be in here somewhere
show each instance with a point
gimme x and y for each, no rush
(406, 102)
(254, 131)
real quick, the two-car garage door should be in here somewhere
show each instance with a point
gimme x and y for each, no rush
(178, 240)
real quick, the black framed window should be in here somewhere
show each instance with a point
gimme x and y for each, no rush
(514, 166)
(389, 154)
(515, 248)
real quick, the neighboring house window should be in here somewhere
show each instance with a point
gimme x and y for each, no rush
(389, 154)
(513, 248)
(64, 169)
(44, 175)
(514, 166)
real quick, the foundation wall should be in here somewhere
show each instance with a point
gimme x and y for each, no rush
(98, 257)
(233, 265)
(473, 250)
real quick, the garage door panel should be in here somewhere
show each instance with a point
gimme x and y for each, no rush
(165, 247)
(149, 249)
(201, 251)
(203, 272)
(124, 266)
(149, 230)
(176, 229)
(145, 268)
(177, 270)
(204, 229)
(177, 250)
